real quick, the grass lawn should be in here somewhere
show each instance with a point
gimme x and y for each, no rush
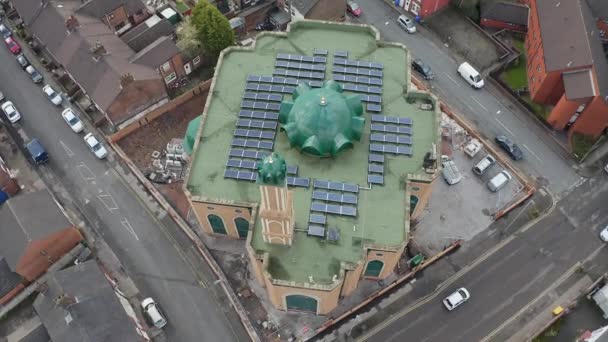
(515, 76)
(581, 144)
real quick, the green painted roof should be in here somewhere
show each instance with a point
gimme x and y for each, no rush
(190, 136)
(381, 210)
(272, 170)
(322, 122)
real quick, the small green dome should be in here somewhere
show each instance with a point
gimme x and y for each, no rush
(322, 122)
(191, 134)
(272, 170)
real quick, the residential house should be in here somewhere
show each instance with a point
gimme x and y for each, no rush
(566, 66)
(332, 10)
(93, 55)
(504, 15)
(422, 8)
(35, 234)
(79, 304)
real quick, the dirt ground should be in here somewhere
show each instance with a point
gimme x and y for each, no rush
(140, 144)
(464, 38)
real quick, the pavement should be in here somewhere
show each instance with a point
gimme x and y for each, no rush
(152, 250)
(487, 109)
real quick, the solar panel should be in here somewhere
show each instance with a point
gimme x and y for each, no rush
(404, 150)
(320, 52)
(246, 123)
(378, 66)
(371, 98)
(298, 181)
(339, 61)
(263, 96)
(253, 133)
(375, 81)
(374, 90)
(347, 187)
(249, 114)
(252, 143)
(343, 54)
(391, 129)
(240, 175)
(371, 107)
(375, 179)
(253, 78)
(318, 59)
(333, 209)
(230, 174)
(266, 79)
(315, 84)
(334, 197)
(392, 119)
(376, 158)
(393, 139)
(375, 168)
(314, 230)
(292, 169)
(242, 164)
(260, 105)
(240, 153)
(283, 56)
(281, 64)
(405, 121)
(317, 218)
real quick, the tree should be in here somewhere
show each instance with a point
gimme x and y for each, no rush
(187, 39)
(214, 31)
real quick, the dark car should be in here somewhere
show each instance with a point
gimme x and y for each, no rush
(510, 147)
(5, 32)
(265, 26)
(423, 69)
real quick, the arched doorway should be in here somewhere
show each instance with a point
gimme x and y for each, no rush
(374, 268)
(217, 225)
(301, 303)
(242, 227)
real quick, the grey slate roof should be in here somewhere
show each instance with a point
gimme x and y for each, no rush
(79, 305)
(156, 53)
(8, 278)
(147, 32)
(28, 217)
(508, 12)
(578, 84)
(304, 6)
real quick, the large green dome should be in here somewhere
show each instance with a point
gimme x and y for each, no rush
(322, 122)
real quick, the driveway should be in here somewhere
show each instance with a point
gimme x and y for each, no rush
(486, 109)
(148, 250)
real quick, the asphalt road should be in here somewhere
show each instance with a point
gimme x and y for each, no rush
(490, 112)
(509, 279)
(145, 247)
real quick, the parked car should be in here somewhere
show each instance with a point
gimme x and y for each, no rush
(95, 146)
(153, 313)
(457, 298)
(1, 96)
(5, 32)
(450, 172)
(13, 46)
(604, 234)
(353, 8)
(52, 95)
(499, 181)
(72, 120)
(510, 147)
(34, 74)
(11, 112)
(407, 24)
(265, 26)
(423, 69)
(472, 76)
(484, 165)
(23, 62)
(37, 151)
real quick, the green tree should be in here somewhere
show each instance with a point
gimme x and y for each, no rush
(213, 28)
(187, 38)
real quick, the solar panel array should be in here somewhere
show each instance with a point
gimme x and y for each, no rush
(254, 133)
(358, 64)
(324, 201)
(357, 71)
(300, 66)
(358, 79)
(343, 210)
(299, 74)
(362, 89)
(277, 84)
(372, 107)
(337, 186)
(316, 225)
(246, 123)
(300, 58)
(320, 52)
(249, 95)
(390, 138)
(371, 98)
(391, 128)
(341, 54)
(260, 105)
(404, 150)
(334, 197)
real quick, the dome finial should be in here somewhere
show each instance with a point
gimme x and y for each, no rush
(323, 101)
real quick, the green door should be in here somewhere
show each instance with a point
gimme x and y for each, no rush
(217, 224)
(374, 268)
(242, 227)
(301, 303)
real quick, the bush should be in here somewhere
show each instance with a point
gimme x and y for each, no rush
(581, 145)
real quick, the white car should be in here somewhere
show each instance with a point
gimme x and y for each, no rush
(153, 312)
(455, 299)
(72, 120)
(604, 234)
(95, 146)
(11, 111)
(52, 95)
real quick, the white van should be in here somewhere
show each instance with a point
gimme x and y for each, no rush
(499, 181)
(450, 172)
(470, 75)
(407, 24)
(483, 165)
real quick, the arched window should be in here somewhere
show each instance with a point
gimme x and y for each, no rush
(217, 225)
(301, 303)
(242, 226)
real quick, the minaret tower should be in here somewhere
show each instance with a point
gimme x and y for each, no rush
(276, 210)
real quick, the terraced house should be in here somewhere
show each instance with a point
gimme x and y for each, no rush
(314, 148)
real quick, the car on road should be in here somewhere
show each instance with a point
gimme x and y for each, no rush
(455, 299)
(34, 74)
(604, 234)
(52, 95)
(353, 8)
(95, 146)
(469, 74)
(510, 147)
(13, 45)
(11, 112)
(423, 69)
(5, 32)
(153, 313)
(72, 120)
(23, 62)
(407, 24)
(37, 151)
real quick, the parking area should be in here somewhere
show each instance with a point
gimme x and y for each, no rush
(465, 209)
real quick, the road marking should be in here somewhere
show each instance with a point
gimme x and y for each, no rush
(128, 227)
(67, 149)
(505, 127)
(479, 103)
(107, 200)
(451, 79)
(532, 153)
(85, 172)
